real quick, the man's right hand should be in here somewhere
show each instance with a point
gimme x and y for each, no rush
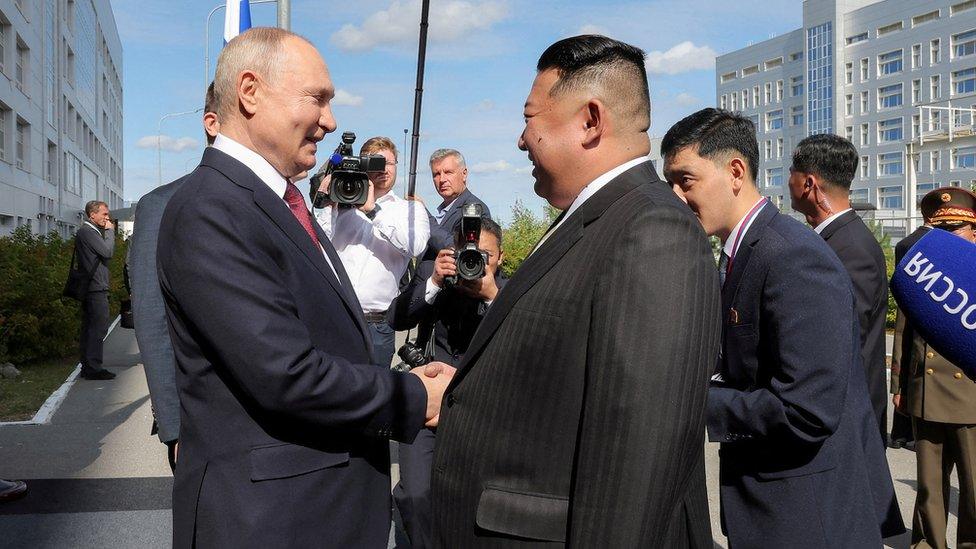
(444, 266)
(435, 376)
(324, 186)
(108, 226)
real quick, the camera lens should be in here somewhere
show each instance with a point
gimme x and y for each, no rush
(470, 264)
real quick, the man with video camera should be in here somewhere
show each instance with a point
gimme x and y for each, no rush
(447, 298)
(375, 235)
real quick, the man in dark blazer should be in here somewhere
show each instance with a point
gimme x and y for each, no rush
(450, 175)
(285, 417)
(576, 415)
(148, 310)
(801, 464)
(820, 185)
(448, 315)
(94, 247)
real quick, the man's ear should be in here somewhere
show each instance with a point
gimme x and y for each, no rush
(595, 121)
(247, 91)
(738, 170)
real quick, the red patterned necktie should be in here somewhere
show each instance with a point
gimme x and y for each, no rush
(296, 203)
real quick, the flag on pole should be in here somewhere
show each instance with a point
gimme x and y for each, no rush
(237, 19)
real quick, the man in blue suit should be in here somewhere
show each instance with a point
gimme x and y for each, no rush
(285, 415)
(450, 174)
(801, 460)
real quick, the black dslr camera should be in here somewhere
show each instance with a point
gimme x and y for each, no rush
(412, 355)
(469, 259)
(350, 184)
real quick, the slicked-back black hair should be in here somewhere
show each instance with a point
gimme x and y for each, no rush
(714, 131)
(828, 156)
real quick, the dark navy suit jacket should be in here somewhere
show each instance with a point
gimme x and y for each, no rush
(801, 464)
(285, 419)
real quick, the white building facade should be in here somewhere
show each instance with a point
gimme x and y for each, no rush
(884, 74)
(60, 112)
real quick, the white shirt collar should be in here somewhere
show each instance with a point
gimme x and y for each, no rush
(730, 242)
(254, 161)
(823, 224)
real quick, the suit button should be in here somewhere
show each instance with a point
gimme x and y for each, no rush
(930, 371)
(957, 375)
(930, 354)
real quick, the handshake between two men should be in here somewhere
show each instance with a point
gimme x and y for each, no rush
(436, 377)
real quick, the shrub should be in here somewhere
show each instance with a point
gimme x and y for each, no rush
(521, 235)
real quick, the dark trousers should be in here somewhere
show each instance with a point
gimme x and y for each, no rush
(412, 493)
(940, 447)
(384, 339)
(94, 325)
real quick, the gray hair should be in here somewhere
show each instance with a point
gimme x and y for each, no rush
(258, 49)
(92, 206)
(441, 154)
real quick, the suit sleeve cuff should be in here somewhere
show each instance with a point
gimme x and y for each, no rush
(406, 412)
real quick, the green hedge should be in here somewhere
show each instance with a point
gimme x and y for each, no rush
(36, 323)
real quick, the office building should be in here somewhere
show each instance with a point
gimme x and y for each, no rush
(896, 77)
(60, 112)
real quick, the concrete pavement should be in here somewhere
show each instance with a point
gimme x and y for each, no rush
(98, 479)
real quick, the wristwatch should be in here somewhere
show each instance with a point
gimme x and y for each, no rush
(372, 213)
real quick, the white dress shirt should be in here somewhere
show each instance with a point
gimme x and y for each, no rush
(732, 243)
(589, 191)
(823, 225)
(375, 252)
(265, 172)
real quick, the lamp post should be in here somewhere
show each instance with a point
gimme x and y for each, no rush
(159, 137)
(283, 13)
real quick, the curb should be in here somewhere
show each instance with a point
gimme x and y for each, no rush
(53, 402)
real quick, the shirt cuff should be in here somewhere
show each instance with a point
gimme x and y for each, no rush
(430, 294)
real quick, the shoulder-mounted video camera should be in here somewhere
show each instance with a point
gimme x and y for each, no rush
(350, 182)
(469, 259)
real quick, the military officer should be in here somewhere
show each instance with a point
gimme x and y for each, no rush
(942, 403)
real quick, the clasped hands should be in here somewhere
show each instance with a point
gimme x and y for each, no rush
(435, 376)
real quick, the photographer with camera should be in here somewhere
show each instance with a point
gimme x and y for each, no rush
(447, 299)
(450, 176)
(375, 232)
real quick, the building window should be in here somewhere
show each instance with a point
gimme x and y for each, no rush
(748, 71)
(935, 87)
(889, 63)
(864, 69)
(859, 195)
(865, 102)
(774, 177)
(935, 52)
(796, 86)
(774, 120)
(735, 101)
(916, 91)
(23, 57)
(51, 167)
(848, 104)
(915, 126)
(935, 121)
(935, 161)
(755, 96)
(4, 132)
(745, 99)
(722, 101)
(728, 76)
(4, 33)
(925, 18)
(890, 164)
(890, 97)
(779, 91)
(768, 93)
(779, 147)
(754, 118)
(773, 63)
(889, 130)
(848, 73)
(797, 115)
(849, 133)
(864, 134)
(857, 38)
(796, 56)
(964, 81)
(22, 149)
(865, 167)
(964, 158)
(888, 29)
(964, 43)
(889, 198)
(963, 6)
(768, 149)
(820, 79)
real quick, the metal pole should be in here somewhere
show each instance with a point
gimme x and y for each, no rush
(405, 190)
(418, 97)
(206, 34)
(159, 136)
(284, 14)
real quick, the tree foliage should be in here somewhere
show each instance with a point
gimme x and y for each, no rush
(35, 321)
(522, 234)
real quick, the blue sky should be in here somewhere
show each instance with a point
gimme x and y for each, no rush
(480, 65)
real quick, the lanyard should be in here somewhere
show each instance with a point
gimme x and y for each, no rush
(738, 235)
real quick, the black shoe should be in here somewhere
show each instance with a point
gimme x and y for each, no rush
(910, 445)
(898, 443)
(102, 374)
(12, 489)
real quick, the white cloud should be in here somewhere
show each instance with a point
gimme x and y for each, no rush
(684, 57)
(342, 97)
(686, 99)
(490, 167)
(524, 169)
(593, 29)
(167, 143)
(400, 24)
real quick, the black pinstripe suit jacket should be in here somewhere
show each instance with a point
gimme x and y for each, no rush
(576, 417)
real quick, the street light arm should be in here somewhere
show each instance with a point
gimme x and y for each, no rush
(159, 140)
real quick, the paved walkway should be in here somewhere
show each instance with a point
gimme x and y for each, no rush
(98, 479)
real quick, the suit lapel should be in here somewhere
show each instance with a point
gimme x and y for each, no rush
(545, 258)
(741, 259)
(836, 224)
